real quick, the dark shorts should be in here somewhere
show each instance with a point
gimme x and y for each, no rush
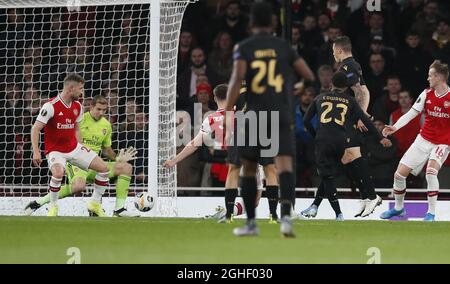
(356, 138)
(282, 144)
(234, 158)
(328, 155)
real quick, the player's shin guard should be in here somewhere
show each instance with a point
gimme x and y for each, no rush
(359, 172)
(287, 192)
(66, 190)
(272, 194)
(55, 186)
(320, 194)
(100, 184)
(399, 191)
(331, 193)
(122, 186)
(248, 191)
(230, 197)
(433, 189)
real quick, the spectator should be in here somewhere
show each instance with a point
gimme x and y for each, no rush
(323, 23)
(407, 134)
(304, 140)
(31, 101)
(187, 86)
(127, 120)
(325, 73)
(388, 103)
(376, 77)
(203, 96)
(376, 27)
(427, 21)
(337, 10)
(233, 21)
(184, 50)
(412, 64)
(298, 44)
(220, 59)
(409, 15)
(136, 135)
(377, 47)
(325, 54)
(311, 35)
(440, 42)
(382, 162)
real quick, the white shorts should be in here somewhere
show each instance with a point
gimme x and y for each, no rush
(421, 151)
(81, 157)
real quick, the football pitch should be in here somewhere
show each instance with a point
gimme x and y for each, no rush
(150, 240)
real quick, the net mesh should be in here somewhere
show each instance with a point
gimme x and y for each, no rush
(108, 43)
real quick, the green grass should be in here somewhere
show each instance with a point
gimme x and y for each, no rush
(146, 240)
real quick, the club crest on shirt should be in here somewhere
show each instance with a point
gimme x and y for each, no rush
(104, 131)
(75, 112)
(447, 104)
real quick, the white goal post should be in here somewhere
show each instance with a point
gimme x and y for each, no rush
(148, 59)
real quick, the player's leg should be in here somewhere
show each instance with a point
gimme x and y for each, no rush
(231, 189)
(284, 165)
(76, 183)
(86, 159)
(57, 162)
(248, 192)
(412, 161)
(358, 169)
(123, 172)
(272, 190)
(311, 211)
(437, 157)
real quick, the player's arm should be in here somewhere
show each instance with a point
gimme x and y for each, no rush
(35, 131)
(310, 113)
(45, 114)
(361, 115)
(188, 150)
(416, 109)
(362, 96)
(302, 69)
(78, 133)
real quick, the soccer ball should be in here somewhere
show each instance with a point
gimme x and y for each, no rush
(144, 202)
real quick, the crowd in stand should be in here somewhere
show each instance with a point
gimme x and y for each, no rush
(395, 47)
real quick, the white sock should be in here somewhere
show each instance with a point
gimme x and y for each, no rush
(100, 184)
(399, 199)
(432, 200)
(55, 186)
(433, 189)
(399, 191)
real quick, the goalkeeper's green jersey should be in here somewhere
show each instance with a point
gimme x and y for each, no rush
(96, 133)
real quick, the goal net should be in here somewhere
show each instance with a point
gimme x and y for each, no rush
(126, 50)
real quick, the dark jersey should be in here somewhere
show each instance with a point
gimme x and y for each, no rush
(338, 112)
(353, 70)
(269, 78)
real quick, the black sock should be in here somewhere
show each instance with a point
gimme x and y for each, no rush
(230, 197)
(331, 192)
(359, 170)
(272, 197)
(320, 194)
(248, 192)
(287, 192)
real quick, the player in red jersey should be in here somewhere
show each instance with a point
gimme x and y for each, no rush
(59, 118)
(431, 145)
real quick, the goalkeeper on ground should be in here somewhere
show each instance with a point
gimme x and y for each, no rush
(96, 131)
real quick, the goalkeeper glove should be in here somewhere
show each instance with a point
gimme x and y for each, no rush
(126, 155)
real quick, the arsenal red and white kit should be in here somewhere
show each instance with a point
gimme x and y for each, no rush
(434, 139)
(60, 139)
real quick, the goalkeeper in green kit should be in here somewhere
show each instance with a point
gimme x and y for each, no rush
(96, 132)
